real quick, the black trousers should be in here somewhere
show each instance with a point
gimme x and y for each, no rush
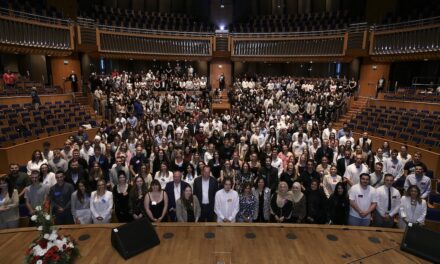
(207, 213)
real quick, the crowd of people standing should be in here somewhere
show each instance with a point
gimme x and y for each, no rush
(274, 158)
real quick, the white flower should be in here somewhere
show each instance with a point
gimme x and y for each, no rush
(47, 217)
(70, 245)
(39, 261)
(46, 236)
(53, 236)
(34, 218)
(38, 208)
(40, 228)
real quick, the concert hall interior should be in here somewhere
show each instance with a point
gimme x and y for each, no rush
(219, 131)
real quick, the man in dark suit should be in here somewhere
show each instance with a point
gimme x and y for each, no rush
(342, 163)
(306, 177)
(74, 81)
(75, 174)
(205, 188)
(323, 151)
(270, 174)
(175, 190)
(193, 128)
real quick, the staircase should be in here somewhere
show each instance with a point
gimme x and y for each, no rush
(356, 106)
(221, 104)
(83, 100)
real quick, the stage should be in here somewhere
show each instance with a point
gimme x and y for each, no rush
(212, 243)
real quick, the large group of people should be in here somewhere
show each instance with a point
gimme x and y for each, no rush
(274, 158)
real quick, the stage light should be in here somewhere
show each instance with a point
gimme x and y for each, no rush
(222, 27)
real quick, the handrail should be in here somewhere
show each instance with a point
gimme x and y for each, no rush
(34, 17)
(411, 23)
(291, 34)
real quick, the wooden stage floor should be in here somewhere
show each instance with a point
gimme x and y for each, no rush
(213, 243)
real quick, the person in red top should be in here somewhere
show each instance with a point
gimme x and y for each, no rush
(9, 78)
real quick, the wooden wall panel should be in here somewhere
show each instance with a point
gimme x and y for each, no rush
(370, 74)
(21, 153)
(61, 71)
(216, 69)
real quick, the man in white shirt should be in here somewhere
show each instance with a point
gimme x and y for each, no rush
(86, 151)
(421, 180)
(326, 132)
(277, 162)
(393, 165)
(388, 203)
(404, 156)
(226, 203)
(345, 138)
(205, 188)
(121, 119)
(363, 201)
(353, 171)
(299, 146)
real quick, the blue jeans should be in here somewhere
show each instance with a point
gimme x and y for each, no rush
(355, 221)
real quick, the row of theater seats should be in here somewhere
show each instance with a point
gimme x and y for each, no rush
(421, 40)
(130, 44)
(25, 87)
(329, 46)
(34, 35)
(418, 128)
(31, 7)
(20, 123)
(422, 11)
(302, 22)
(146, 20)
(429, 98)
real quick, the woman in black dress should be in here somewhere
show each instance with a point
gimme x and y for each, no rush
(121, 198)
(216, 165)
(156, 203)
(137, 196)
(338, 205)
(316, 204)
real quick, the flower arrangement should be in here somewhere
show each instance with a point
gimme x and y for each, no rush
(49, 247)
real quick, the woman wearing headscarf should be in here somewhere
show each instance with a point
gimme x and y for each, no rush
(316, 204)
(299, 204)
(338, 205)
(281, 204)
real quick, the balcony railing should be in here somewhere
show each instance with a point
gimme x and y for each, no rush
(330, 46)
(154, 45)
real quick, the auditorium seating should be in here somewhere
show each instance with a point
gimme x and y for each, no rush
(429, 98)
(425, 10)
(295, 23)
(20, 123)
(128, 18)
(31, 7)
(418, 128)
(23, 87)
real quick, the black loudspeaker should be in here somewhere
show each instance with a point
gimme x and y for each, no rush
(132, 238)
(422, 242)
